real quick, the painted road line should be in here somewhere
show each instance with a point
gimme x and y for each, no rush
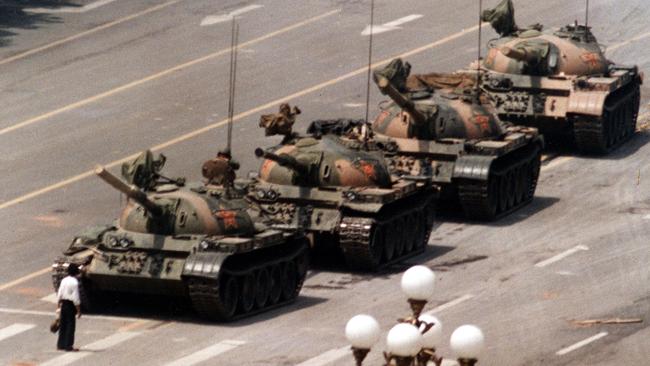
(70, 9)
(51, 298)
(24, 278)
(51, 314)
(100, 345)
(207, 353)
(390, 26)
(582, 343)
(624, 43)
(561, 256)
(328, 357)
(14, 329)
(237, 117)
(88, 32)
(161, 74)
(450, 304)
(215, 19)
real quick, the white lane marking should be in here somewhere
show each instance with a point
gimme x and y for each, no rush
(71, 9)
(328, 357)
(100, 345)
(565, 273)
(14, 329)
(561, 256)
(556, 162)
(582, 343)
(214, 19)
(51, 314)
(450, 304)
(646, 217)
(87, 32)
(390, 26)
(621, 44)
(353, 105)
(207, 353)
(50, 298)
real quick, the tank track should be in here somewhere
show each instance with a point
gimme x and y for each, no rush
(282, 279)
(511, 185)
(617, 124)
(371, 243)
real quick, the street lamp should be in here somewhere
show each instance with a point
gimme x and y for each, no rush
(467, 342)
(362, 331)
(413, 341)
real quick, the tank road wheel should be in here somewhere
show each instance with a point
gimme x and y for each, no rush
(389, 243)
(534, 168)
(275, 276)
(377, 244)
(247, 292)
(262, 287)
(229, 293)
(400, 240)
(520, 184)
(512, 186)
(411, 232)
(503, 193)
(420, 237)
(288, 280)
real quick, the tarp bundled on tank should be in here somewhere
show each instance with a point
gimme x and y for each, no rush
(501, 17)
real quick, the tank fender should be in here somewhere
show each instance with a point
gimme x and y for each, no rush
(590, 103)
(475, 167)
(204, 264)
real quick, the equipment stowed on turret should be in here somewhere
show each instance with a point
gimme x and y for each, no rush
(437, 127)
(560, 81)
(340, 191)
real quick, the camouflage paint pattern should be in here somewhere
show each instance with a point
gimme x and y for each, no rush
(329, 163)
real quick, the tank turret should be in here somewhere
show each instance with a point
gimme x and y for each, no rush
(284, 160)
(429, 112)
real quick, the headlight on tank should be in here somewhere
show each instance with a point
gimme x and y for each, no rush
(204, 245)
(124, 242)
(112, 241)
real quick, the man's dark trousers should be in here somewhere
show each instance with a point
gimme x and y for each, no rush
(67, 327)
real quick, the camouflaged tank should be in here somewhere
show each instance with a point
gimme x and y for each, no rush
(200, 240)
(341, 192)
(436, 127)
(560, 82)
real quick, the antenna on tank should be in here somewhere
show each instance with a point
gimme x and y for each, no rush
(587, 15)
(234, 39)
(372, 21)
(478, 57)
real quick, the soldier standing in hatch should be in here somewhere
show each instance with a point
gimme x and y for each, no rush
(69, 307)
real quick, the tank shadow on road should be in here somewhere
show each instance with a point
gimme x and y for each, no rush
(564, 147)
(164, 308)
(538, 204)
(13, 15)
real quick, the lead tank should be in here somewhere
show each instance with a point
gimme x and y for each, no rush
(342, 193)
(560, 81)
(438, 127)
(198, 240)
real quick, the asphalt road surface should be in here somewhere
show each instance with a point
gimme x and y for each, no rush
(95, 82)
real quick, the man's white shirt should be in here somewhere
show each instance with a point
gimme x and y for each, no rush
(69, 290)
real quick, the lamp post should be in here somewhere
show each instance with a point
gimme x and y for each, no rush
(467, 342)
(362, 331)
(413, 341)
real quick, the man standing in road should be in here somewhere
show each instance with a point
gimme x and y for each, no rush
(69, 306)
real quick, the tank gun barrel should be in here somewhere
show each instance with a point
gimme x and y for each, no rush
(283, 160)
(400, 99)
(130, 191)
(521, 55)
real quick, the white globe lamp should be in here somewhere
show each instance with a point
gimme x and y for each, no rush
(467, 342)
